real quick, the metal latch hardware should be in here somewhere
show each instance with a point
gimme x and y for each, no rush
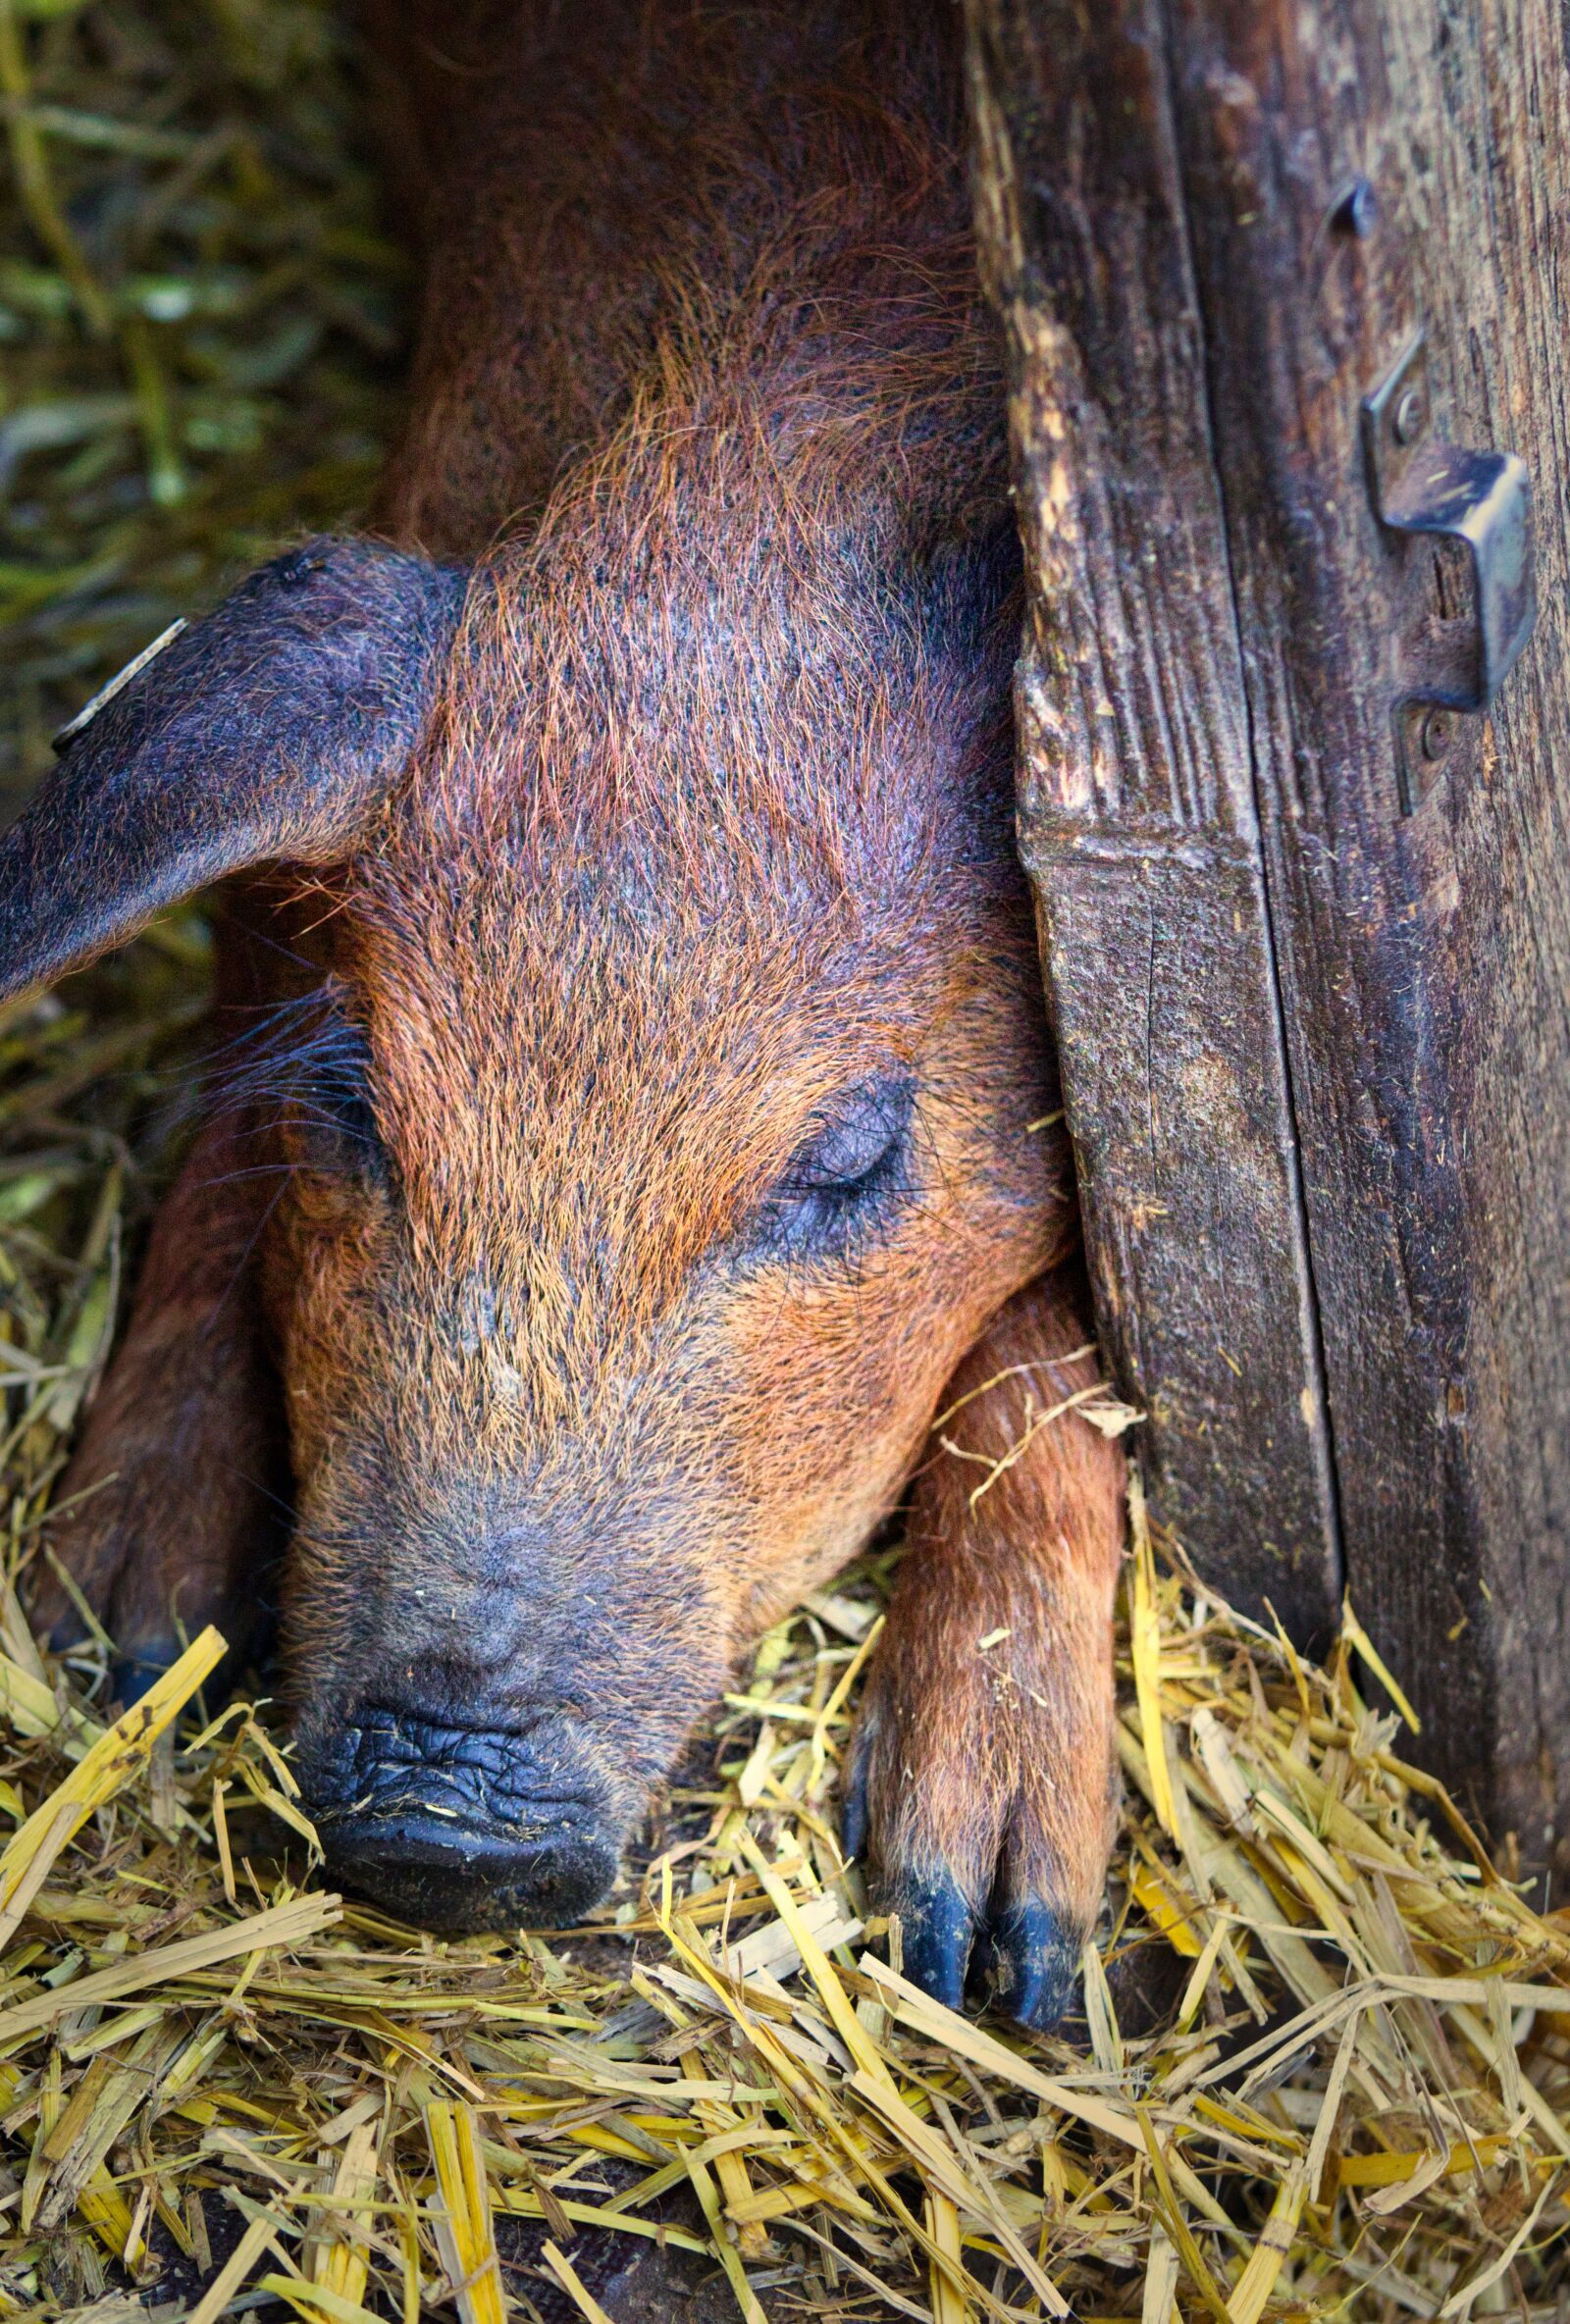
(1445, 665)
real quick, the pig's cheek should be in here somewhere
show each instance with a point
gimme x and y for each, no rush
(809, 1503)
(811, 1415)
(315, 1289)
(811, 1542)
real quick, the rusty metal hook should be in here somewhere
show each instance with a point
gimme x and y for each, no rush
(1419, 486)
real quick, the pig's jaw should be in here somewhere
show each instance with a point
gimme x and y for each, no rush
(462, 1828)
(458, 1828)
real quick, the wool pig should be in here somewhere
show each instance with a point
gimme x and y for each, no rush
(631, 1165)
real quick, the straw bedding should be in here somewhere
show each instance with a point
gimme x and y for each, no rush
(1323, 2062)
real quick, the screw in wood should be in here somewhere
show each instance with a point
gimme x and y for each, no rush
(1355, 209)
(1434, 738)
(1411, 415)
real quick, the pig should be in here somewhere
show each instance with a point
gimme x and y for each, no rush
(630, 1163)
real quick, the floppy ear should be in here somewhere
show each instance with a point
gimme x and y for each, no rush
(272, 730)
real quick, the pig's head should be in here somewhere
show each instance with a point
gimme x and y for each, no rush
(663, 1127)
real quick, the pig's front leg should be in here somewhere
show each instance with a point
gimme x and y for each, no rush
(981, 1787)
(171, 1508)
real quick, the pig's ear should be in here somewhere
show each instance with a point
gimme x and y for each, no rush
(269, 731)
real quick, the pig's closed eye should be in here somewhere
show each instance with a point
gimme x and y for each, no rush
(305, 1072)
(850, 1173)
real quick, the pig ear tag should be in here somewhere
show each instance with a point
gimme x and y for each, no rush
(106, 693)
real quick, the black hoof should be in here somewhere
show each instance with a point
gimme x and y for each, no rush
(1018, 1958)
(132, 1674)
(1033, 1965)
(937, 1929)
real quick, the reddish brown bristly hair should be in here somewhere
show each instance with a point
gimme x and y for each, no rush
(676, 1129)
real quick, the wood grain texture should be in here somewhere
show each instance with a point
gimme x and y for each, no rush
(1423, 961)
(1138, 817)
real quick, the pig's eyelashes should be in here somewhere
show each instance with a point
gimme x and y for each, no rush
(333, 1114)
(307, 1071)
(848, 1178)
(343, 1120)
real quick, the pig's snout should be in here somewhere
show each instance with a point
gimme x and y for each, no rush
(463, 1828)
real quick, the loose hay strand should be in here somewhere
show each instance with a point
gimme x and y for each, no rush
(465, 2232)
(123, 1751)
(568, 2278)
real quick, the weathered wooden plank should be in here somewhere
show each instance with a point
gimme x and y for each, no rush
(1194, 318)
(1137, 816)
(1424, 960)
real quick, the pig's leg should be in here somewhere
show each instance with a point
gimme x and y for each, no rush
(180, 1466)
(981, 1788)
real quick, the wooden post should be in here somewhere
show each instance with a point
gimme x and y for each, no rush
(1316, 1047)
